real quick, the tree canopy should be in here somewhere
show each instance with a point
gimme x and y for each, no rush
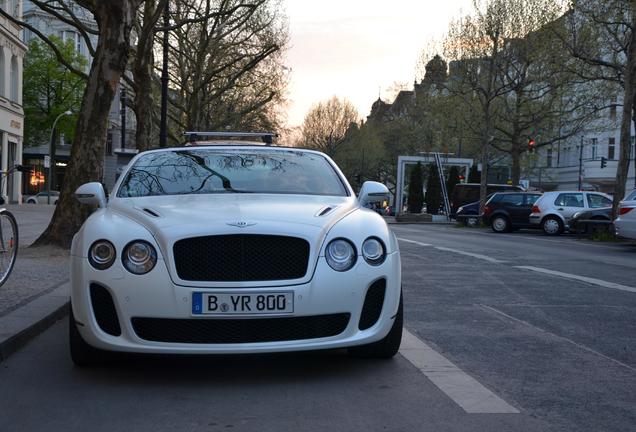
(51, 90)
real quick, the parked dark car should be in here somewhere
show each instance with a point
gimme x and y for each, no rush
(467, 193)
(507, 211)
(591, 221)
(468, 214)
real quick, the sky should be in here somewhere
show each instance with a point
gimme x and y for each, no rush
(358, 49)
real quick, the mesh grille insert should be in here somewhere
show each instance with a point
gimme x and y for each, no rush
(104, 310)
(218, 331)
(241, 257)
(373, 302)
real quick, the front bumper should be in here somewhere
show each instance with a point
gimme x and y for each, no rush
(155, 296)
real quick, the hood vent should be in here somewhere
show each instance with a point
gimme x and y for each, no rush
(325, 210)
(151, 212)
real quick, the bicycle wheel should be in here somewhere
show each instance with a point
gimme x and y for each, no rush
(8, 244)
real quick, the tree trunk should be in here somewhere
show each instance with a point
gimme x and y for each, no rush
(626, 120)
(144, 110)
(515, 154)
(114, 19)
(142, 75)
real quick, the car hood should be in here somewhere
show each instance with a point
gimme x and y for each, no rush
(220, 210)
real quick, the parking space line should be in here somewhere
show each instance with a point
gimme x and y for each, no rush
(598, 282)
(414, 242)
(463, 389)
(470, 254)
(562, 338)
(445, 249)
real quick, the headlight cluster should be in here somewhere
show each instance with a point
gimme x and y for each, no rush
(102, 254)
(341, 253)
(138, 257)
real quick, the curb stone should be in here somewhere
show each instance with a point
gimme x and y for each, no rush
(25, 323)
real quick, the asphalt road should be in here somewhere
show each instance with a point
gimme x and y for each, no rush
(557, 352)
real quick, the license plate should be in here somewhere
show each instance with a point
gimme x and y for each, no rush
(242, 304)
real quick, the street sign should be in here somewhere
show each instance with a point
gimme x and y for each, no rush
(47, 161)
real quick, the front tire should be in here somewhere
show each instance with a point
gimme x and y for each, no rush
(388, 346)
(82, 354)
(552, 226)
(500, 224)
(472, 221)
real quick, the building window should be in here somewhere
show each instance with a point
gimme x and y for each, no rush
(74, 37)
(611, 148)
(549, 158)
(2, 93)
(14, 79)
(594, 147)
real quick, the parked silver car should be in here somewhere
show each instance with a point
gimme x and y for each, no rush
(625, 223)
(553, 211)
(41, 198)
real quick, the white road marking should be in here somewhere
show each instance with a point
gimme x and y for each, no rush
(570, 341)
(470, 254)
(414, 242)
(586, 279)
(593, 281)
(463, 389)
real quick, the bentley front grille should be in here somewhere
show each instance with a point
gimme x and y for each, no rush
(241, 257)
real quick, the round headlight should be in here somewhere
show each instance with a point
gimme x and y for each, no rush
(340, 255)
(102, 254)
(373, 251)
(139, 257)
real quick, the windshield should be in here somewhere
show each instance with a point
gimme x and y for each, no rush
(207, 171)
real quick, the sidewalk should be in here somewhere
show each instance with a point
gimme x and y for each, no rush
(437, 220)
(36, 294)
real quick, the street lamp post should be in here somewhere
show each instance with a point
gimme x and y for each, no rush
(51, 156)
(581, 165)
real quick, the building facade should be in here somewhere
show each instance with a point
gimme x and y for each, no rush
(591, 155)
(12, 52)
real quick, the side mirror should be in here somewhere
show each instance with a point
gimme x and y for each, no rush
(92, 194)
(372, 192)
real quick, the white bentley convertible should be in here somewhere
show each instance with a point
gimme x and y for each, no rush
(231, 248)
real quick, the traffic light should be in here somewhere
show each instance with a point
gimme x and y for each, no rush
(603, 162)
(461, 178)
(532, 145)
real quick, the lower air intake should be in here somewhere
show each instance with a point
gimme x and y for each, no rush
(220, 331)
(104, 310)
(373, 302)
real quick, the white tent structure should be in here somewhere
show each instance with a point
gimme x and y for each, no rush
(428, 158)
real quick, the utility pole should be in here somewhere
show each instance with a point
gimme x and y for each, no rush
(581, 165)
(163, 127)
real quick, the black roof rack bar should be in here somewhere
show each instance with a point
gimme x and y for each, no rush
(267, 137)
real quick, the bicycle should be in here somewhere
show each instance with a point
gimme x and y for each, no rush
(9, 239)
